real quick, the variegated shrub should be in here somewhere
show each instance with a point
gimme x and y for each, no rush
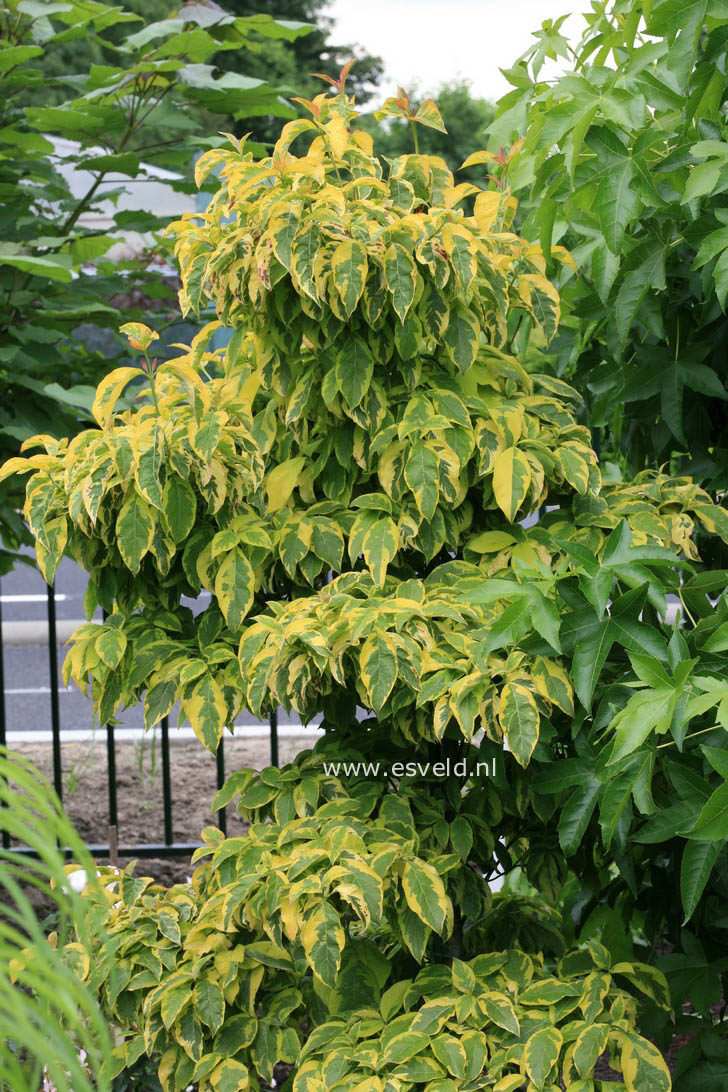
(393, 510)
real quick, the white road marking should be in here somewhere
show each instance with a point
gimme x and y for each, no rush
(129, 735)
(29, 598)
(37, 690)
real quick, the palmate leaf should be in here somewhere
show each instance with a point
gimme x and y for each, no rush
(617, 202)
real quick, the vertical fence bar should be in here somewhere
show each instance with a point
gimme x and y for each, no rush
(111, 775)
(53, 670)
(273, 721)
(220, 758)
(111, 769)
(166, 783)
(3, 740)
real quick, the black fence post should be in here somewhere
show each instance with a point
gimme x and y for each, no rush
(166, 783)
(273, 721)
(53, 670)
(220, 759)
(111, 769)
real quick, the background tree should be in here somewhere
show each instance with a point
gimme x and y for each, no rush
(287, 64)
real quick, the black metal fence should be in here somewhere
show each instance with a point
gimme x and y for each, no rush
(113, 849)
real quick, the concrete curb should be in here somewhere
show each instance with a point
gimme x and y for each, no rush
(36, 632)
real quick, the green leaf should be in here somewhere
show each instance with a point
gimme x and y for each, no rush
(425, 894)
(590, 656)
(697, 864)
(57, 267)
(235, 587)
(401, 277)
(520, 721)
(644, 713)
(179, 505)
(712, 823)
(702, 180)
(134, 530)
(421, 475)
(354, 370)
(323, 942)
(616, 202)
(672, 402)
(576, 813)
(378, 666)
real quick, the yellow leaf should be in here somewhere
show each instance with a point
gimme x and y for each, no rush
(511, 479)
(337, 134)
(487, 209)
(109, 390)
(281, 481)
(140, 336)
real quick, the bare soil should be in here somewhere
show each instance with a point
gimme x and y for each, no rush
(139, 791)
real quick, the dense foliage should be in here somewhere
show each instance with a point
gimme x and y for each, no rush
(346, 480)
(624, 159)
(60, 292)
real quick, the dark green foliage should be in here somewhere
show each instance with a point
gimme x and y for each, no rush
(625, 161)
